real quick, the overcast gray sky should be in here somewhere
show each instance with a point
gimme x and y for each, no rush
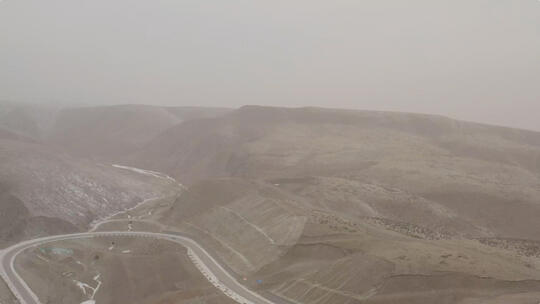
(470, 59)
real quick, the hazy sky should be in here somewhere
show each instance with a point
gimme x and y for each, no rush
(470, 59)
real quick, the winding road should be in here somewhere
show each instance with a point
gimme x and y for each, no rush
(209, 267)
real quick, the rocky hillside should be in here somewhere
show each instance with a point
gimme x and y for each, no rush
(287, 245)
(336, 206)
(249, 224)
(45, 191)
(451, 176)
(323, 141)
(55, 164)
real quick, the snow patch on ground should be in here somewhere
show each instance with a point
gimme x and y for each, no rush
(88, 290)
(82, 286)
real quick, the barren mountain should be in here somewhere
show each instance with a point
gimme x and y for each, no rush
(336, 206)
(112, 132)
(45, 191)
(448, 175)
(309, 254)
(32, 121)
(45, 185)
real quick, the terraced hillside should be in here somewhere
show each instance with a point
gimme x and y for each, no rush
(229, 214)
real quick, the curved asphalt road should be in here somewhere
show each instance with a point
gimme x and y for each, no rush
(26, 296)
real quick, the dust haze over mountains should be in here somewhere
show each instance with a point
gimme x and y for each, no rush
(473, 60)
(322, 205)
(288, 139)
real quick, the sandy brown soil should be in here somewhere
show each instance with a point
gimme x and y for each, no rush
(130, 271)
(6, 297)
